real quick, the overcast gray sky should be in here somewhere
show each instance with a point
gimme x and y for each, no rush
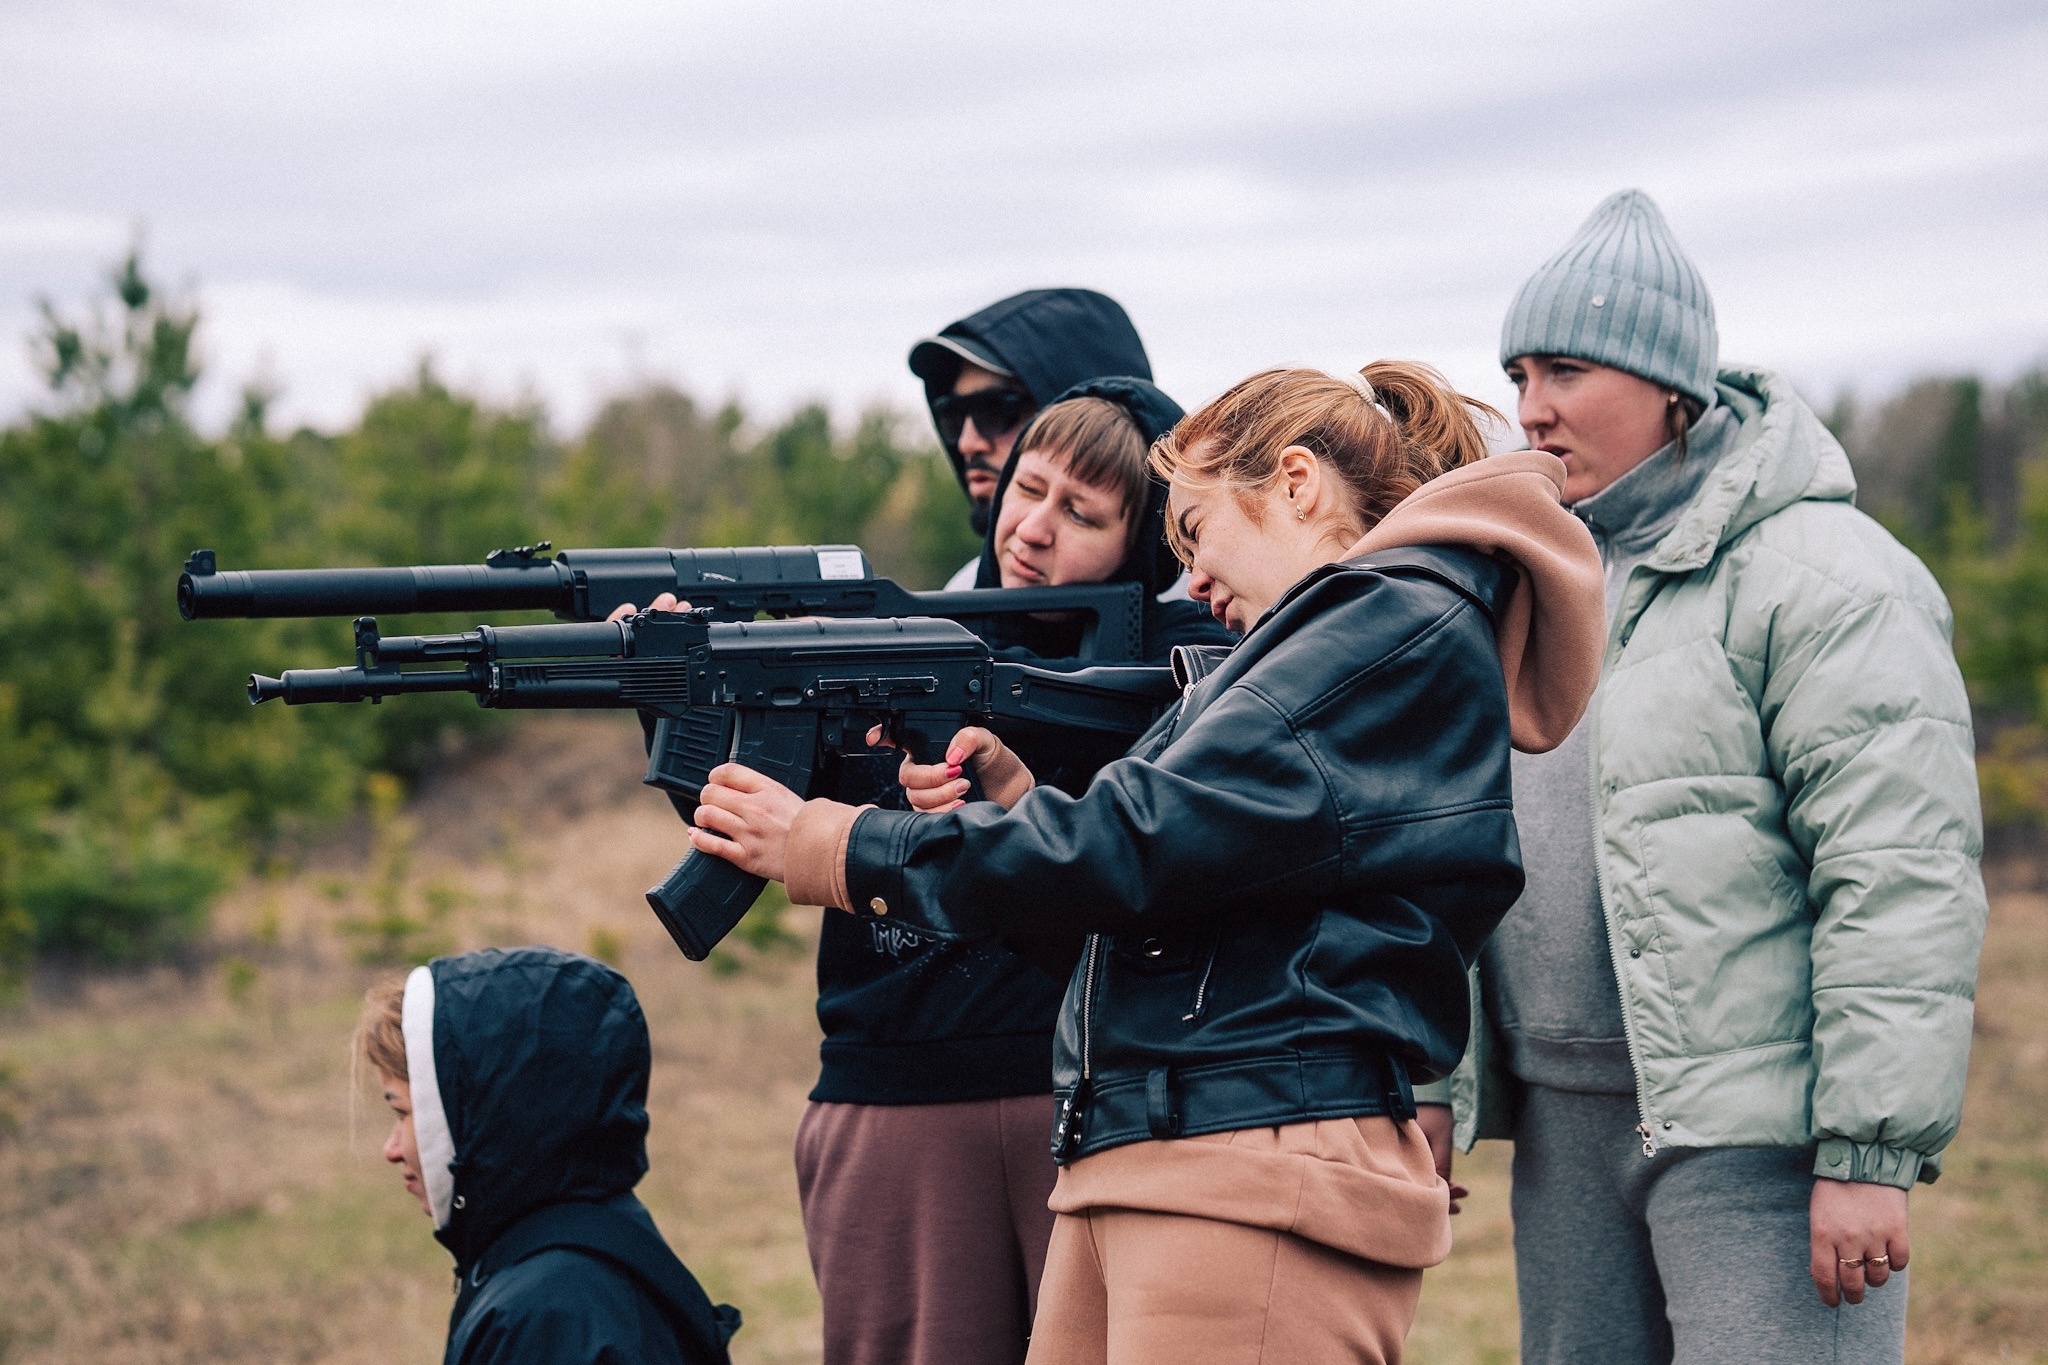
(775, 199)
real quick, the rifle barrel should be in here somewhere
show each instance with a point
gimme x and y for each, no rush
(240, 593)
(298, 686)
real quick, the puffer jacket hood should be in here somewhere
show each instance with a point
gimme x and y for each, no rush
(1050, 339)
(529, 1083)
(1551, 632)
(1783, 455)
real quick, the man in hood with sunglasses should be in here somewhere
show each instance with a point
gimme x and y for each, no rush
(986, 375)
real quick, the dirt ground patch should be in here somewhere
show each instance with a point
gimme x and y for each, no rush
(179, 1183)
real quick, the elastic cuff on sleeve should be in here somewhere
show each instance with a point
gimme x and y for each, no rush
(1435, 1092)
(815, 873)
(1870, 1162)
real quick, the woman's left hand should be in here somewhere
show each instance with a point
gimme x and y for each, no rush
(1858, 1237)
(1437, 1128)
(744, 818)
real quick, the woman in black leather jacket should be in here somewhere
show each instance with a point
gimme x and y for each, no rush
(1284, 880)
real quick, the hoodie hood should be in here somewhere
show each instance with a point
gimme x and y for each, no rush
(1555, 627)
(529, 1085)
(1048, 339)
(1148, 563)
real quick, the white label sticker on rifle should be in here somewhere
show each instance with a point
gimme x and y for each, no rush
(841, 564)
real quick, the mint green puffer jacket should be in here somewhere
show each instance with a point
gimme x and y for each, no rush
(1789, 834)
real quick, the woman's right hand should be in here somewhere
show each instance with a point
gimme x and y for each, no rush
(935, 787)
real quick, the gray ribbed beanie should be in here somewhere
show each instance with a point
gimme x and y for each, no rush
(1621, 293)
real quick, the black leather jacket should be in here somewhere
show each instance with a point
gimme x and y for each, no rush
(1284, 880)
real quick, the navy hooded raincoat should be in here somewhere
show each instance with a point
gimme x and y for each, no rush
(529, 1083)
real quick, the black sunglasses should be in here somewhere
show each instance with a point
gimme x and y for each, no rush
(995, 412)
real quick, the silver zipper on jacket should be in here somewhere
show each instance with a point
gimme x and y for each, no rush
(1088, 1005)
(1202, 986)
(1628, 1025)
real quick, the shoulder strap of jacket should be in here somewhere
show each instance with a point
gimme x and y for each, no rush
(703, 1327)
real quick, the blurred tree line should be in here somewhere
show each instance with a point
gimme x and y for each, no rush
(135, 779)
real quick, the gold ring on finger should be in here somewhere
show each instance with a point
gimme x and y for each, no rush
(1880, 1260)
(1856, 1264)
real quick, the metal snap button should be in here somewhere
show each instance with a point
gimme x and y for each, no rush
(1152, 947)
(879, 906)
(1635, 952)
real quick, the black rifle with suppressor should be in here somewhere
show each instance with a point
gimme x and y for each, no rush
(587, 585)
(786, 698)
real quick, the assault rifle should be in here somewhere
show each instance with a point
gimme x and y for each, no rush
(587, 585)
(786, 698)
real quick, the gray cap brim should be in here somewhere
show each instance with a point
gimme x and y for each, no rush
(935, 356)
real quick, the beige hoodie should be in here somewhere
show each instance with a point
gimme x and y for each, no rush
(1555, 629)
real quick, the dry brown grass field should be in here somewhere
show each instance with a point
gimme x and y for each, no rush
(179, 1178)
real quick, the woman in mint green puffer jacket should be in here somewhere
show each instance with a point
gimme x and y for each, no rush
(1732, 1011)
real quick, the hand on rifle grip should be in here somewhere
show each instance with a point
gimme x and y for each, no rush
(935, 787)
(744, 817)
(665, 602)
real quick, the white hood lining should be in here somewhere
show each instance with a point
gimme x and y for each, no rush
(429, 1119)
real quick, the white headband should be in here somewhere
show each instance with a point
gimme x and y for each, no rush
(1363, 385)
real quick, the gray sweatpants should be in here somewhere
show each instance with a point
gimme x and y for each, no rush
(1696, 1256)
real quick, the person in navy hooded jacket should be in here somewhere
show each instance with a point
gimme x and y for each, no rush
(519, 1081)
(988, 374)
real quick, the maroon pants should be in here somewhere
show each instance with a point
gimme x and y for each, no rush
(927, 1225)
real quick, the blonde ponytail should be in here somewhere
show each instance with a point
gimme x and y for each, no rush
(1435, 419)
(1385, 431)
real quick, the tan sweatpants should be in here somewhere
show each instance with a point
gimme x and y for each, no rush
(1124, 1287)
